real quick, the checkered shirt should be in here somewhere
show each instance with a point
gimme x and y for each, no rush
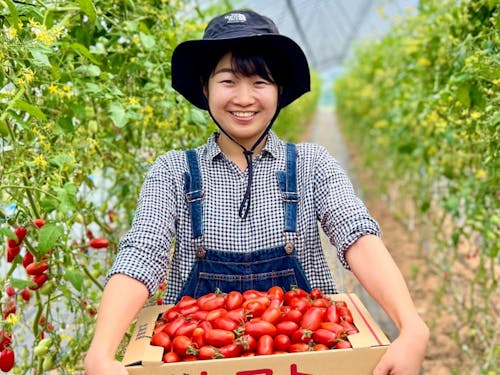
(160, 238)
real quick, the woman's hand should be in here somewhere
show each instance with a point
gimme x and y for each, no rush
(103, 366)
(405, 354)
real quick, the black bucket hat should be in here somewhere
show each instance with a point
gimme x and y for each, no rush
(239, 29)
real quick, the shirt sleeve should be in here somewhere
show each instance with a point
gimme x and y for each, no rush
(143, 252)
(343, 216)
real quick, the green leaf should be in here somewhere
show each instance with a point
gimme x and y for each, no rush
(48, 236)
(4, 130)
(82, 50)
(87, 7)
(14, 15)
(6, 232)
(20, 283)
(48, 205)
(118, 114)
(39, 57)
(92, 88)
(148, 41)
(62, 160)
(67, 197)
(89, 70)
(74, 277)
(31, 109)
(463, 95)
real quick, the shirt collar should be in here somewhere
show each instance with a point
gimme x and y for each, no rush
(272, 146)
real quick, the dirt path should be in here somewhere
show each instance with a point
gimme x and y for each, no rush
(442, 353)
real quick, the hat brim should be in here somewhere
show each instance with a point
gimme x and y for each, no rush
(189, 57)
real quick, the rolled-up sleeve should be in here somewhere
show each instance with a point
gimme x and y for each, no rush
(144, 251)
(343, 216)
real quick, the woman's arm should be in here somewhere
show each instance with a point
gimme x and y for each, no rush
(376, 270)
(122, 299)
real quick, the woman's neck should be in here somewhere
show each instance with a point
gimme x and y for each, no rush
(235, 153)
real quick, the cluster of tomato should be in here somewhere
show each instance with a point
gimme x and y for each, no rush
(220, 325)
(7, 357)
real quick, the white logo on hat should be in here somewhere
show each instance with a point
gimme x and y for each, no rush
(235, 18)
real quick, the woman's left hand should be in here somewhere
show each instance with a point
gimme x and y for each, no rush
(405, 354)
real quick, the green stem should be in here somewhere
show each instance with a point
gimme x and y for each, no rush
(92, 278)
(27, 188)
(30, 198)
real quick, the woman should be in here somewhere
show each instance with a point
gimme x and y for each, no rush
(244, 207)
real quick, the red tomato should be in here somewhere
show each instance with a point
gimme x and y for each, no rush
(343, 344)
(320, 347)
(39, 280)
(254, 308)
(20, 233)
(234, 300)
(36, 268)
(188, 310)
(27, 259)
(247, 343)
(214, 314)
(331, 314)
(170, 357)
(265, 345)
(10, 291)
(271, 315)
(225, 323)
(182, 345)
(334, 327)
(298, 347)
(161, 339)
(186, 301)
(39, 222)
(286, 327)
(230, 351)
(208, 352)
(213, 303)
(301, 336)
(325, 337)
(205, 298)
(344, 313)
(99, 243)
(276, 292)
(198, 337)
(172, 327)
(198, 315)
(7, 360)
(252, 293)
(186, 329)
(312, 318)
(316, 293)
(293, 315)
(25, 295)
(258, 328)
(206, 325)
(5, 340)
(294, 292)
(282, 342)
(170, 315)
(300, 303)
(11, 253)
(238, 315)
(321, 302)
(219, 337)
(349, 327)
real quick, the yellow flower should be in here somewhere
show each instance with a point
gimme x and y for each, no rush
(148, 109)
(136, 39)
(12, 319)
(40, 161)
(475, 115)
(66, 87)
(423, 61)
(133, 100)
(11, 32)
(28, 75)
(52, 89)
(481, 174)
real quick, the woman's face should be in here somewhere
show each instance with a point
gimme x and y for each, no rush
(243, 106)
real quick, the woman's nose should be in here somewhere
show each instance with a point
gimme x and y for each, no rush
(244, 94)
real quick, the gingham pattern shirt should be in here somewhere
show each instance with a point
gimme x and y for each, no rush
(325, 195)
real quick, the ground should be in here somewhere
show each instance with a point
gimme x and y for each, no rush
(442, 354)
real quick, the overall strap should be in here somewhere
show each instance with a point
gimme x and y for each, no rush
(287, 181)
(194, 193)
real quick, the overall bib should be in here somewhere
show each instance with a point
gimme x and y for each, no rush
(255, 269)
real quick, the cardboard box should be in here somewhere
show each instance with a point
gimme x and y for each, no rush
(368, 346)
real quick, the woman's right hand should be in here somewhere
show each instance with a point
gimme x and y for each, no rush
(104, 367)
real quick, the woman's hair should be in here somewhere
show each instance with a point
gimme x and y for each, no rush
(247, 63)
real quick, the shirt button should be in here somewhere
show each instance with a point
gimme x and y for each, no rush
(201, 252)
(289, 248)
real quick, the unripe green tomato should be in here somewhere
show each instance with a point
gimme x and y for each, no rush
(48, 363)
(40, 350)
(93, 126)
(47, 288)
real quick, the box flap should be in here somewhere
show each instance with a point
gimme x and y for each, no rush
(139, 351)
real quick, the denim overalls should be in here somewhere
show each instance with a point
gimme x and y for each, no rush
(257, 269)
